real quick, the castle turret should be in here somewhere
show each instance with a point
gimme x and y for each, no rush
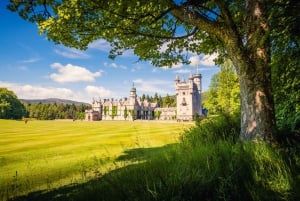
(132, 96)
(197, 81)
(198, 90)
(191, 83)
(177, 80)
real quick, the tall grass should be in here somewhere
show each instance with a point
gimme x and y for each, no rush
(219, 171)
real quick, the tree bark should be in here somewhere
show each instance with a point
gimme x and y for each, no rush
(253, 66)
(257, 105)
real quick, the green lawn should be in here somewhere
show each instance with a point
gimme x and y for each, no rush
(49, 154)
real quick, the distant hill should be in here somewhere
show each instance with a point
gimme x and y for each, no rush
(52, 101)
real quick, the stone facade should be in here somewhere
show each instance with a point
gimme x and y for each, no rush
(127, 109)
(188, 96)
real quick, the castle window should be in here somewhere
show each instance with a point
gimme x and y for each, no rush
(183, 102)
(183, 93)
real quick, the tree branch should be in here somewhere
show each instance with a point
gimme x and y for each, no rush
(196, 19)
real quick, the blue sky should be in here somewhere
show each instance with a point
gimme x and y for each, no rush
(35, 68)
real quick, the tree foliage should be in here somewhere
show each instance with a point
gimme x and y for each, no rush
(167, 32)
(285, 66)
(47, 111)
(223, 95)
(125, 112)
(10, 105)
(114, 111)
(106, 110)
(169, 101)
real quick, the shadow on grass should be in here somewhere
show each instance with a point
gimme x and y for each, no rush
(142, 154)
(213, 171)
(98, 188)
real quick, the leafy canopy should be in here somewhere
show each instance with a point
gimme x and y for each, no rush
(164, 32)
(161, 31)
(148, 27)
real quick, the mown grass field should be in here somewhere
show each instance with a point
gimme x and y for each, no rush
(49, 154)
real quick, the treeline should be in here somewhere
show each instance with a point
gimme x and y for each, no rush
(12, 108)
(50, 111)
(167, 101)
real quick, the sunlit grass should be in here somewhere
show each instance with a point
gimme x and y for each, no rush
(47, 154)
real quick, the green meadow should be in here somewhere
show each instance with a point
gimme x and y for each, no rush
(43, 155)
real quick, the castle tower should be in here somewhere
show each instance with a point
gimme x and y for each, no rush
(133, 103)
(132, 96)
(197, 94)
(188, 95)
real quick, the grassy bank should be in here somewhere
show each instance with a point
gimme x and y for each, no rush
(43, 155)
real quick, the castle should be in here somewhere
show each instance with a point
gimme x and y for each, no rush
(188, 99)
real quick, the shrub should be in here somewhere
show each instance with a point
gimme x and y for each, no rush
(223, 126)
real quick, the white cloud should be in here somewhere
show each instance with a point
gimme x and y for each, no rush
(154, 70)
(98, 91)
(31, 60)
(101, 45)
(195, 60)
(208, 60)
(42, 92)
(152, 86)
(138, 81)
(71, 73)
(182, 71)
(105, 46)
(39, 92)
(128, 53)
(114, 65)
(164, 47)
(136, 68)
(71, 53)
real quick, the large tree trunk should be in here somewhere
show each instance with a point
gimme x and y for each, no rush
(253, 66)
(257, 106)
